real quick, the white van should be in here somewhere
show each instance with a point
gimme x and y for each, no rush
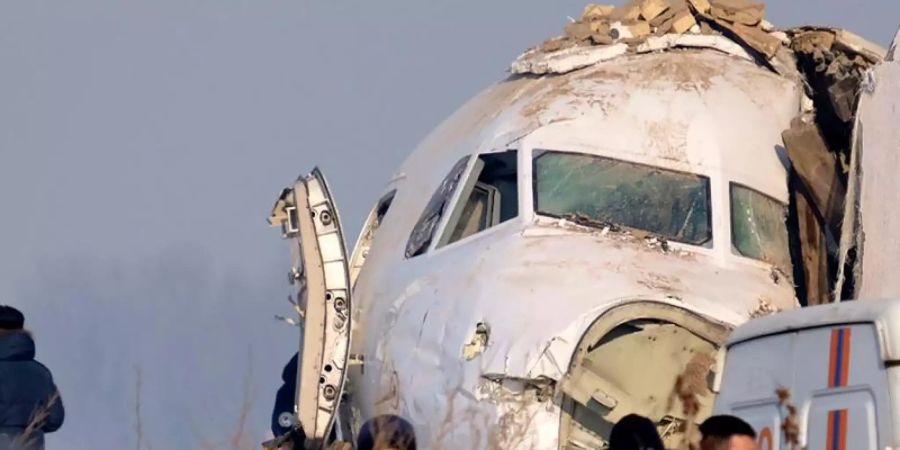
(839, 362)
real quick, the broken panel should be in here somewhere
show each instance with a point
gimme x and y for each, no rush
(872, 205)
(673, 205)
(489, 197)
(642, 358)
(367, 236)
(423, 233)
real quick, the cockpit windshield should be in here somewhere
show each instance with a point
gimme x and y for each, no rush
(598, 190)
(759, 227)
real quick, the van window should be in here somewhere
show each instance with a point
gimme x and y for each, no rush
(759, 227)
(599, 191)
(490, 197)
(423, 233)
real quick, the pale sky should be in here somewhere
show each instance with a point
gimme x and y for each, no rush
(142, 144)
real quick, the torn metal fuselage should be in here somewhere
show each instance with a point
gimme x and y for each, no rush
(487, 331)
(871, 217)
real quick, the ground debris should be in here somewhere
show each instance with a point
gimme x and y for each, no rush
(585, 221)
(742, 12)
(652, 241)
(834, 65)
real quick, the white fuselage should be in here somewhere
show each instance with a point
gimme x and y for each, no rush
(538, 282)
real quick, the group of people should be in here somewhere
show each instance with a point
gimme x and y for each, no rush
(633, 432)
(636, 432)
(30, 405)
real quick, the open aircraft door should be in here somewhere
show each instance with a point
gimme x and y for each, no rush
(309, 221)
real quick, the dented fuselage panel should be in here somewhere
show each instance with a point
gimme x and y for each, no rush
(471, 336)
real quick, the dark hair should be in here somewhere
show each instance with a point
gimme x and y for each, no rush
(386, 431)
(634, 432)
(725, 427)
(11, 318)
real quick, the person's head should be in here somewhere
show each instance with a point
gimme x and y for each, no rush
(11, 318)
(634, 432)
(387, 432)
(727, 433)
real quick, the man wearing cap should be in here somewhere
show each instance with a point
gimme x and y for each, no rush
(30, 404)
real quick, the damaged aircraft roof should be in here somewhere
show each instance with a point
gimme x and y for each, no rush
(831, 64)
(735, 27)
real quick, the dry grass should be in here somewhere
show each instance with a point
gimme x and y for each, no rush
(139, 421)
(790, 427)
(690, 387)
(38, 419)
(239, 438)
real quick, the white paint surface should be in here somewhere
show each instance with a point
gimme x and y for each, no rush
(540, 282)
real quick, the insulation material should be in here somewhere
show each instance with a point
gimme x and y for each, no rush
(818, 171)
(813, 252)
(835, 65)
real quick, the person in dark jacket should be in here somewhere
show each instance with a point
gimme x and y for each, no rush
(283, 412)
(283, 419)
(634, 432)
(30, 404)
(386, 432)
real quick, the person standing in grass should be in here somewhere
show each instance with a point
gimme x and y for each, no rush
(30, 404)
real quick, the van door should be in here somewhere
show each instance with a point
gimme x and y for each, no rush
(844, 392)
(831, 382)
(309, 220)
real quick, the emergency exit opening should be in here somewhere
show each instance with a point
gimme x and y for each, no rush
(644, 358)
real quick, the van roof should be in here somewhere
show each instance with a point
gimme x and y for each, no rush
(884, 313)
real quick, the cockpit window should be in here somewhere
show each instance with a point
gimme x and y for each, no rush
(367, 237)
(599, 191)
(490, 196)
(423, 233)
(759, 227)
(382, 208)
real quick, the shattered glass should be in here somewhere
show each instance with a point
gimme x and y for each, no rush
(597, 190)
(759, 227)
(423, 232)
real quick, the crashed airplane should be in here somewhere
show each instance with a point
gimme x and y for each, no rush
(576, 242)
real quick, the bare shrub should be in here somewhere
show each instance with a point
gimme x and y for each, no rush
(790, 427)
(38, 418)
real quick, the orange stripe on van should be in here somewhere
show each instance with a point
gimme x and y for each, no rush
(839, 358)
(838, 376)
(830, 439)
(832, 358)
(842, 431)
(845, 358)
